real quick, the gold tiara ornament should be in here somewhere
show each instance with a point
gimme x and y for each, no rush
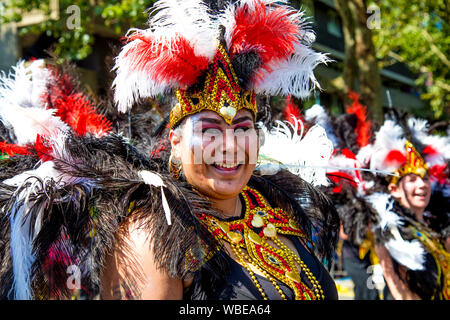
(221, 93)
(414, 164)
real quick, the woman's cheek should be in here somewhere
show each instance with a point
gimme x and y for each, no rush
(248, 147)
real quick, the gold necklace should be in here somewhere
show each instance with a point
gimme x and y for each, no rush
(249, 237)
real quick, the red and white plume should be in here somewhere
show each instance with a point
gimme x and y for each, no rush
(388, 151)
(182, 40)
(39, 104)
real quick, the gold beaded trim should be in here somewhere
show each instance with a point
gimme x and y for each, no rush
(440, 255)
(221, 93)
(254, 242)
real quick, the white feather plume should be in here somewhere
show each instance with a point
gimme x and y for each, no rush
(383, 204)
(293, 76)
(389, 137)
(21, 108)
(411, 254)
(169, 19)
(306, 156)
(188, 18)
(318, 115)
(408, 253)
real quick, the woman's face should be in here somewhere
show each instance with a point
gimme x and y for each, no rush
(216, 158)
(413, 192)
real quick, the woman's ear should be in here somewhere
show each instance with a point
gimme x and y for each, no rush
(395, 190)
(175, 139)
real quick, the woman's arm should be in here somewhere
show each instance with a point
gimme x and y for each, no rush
(397, 286)
(131, 271)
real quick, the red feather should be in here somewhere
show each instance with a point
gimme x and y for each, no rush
(43, 148)
(395, 157)
(338, 178)
(291, 110)
(271, 33)
(74, 108)
(429, 150)
(79, 113)
(163, 63)
(13, 149)
(363, 124)
(348, 154)
(439, 173)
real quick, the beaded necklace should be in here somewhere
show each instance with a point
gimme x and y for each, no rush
(248, 238)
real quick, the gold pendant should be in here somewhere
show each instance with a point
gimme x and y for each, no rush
(294, 276)
(254, 237)
(270, 231)
(257, 221)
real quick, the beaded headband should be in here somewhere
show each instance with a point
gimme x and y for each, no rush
(414, 164)
(221, 93)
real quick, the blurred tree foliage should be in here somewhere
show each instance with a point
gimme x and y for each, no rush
(416, 32)
(75, 42)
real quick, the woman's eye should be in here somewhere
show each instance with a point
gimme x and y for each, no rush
(241, 130)
(211, 131)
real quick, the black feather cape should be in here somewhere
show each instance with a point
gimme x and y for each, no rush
(80, 219)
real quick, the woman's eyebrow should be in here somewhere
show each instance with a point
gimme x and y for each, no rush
(209, 120)
(242, 119)
(219, 121)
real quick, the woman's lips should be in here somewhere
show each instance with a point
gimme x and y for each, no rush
(226, 168)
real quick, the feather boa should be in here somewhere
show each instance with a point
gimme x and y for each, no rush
(408, 253)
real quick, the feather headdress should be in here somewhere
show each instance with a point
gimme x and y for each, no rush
(267, 44)
(408, 148)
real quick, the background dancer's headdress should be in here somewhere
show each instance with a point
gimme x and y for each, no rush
(217, 58)
(404, 146)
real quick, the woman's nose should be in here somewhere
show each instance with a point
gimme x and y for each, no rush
(421, 182)
(229, 141)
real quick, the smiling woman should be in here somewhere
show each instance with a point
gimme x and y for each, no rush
(411, 241)
(256, 236)
(195, 219)
(261, 247)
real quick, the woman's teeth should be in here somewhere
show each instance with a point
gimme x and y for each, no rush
(420, 194)
(223, 165)
(227, 166)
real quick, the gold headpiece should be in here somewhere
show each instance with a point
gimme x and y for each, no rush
(414, 164)
(221, 93)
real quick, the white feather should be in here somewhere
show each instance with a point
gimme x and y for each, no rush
(411, 254)
(317, 114)
(21, 108)
(155, 180)
(389, 137)
(168, 20)
(306, 156)
(408, 253)
(293, 76)
(21, 246)
(188, 18)
(383, 204)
